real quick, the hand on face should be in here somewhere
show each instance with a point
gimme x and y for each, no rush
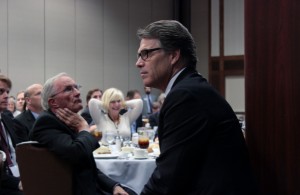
(119, 191)
(72, 119)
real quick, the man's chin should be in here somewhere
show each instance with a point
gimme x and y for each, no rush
(77, 108)
(3, 107)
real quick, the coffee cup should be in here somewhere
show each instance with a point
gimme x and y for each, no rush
(140, 153)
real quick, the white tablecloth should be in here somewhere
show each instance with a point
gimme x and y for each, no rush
(133, 173)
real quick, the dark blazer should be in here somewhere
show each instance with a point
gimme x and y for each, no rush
(74, 148)
(203, 151)
(87, 116)
(9, 183)
(153, 119)
(139, 122)
(23, 124)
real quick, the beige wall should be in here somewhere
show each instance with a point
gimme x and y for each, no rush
(92, 40)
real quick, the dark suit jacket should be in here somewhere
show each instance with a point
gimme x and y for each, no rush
(87, 116)
(9, 183)
(74, 148)
(153, 119)
(139, 122)
(203, 151)
(23, 124)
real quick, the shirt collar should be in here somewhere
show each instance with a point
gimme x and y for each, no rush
(171, 82)
(35, 115)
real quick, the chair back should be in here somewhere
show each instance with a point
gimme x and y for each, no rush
(41, 171)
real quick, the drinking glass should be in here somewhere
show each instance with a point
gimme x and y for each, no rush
(143, 140)
(126, 140)
(110, 137)
(151, 135)
(97, 134)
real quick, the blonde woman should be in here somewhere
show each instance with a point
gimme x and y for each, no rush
(106, 113)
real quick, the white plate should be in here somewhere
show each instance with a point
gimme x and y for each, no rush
(139, 158)
(106, 156)
(153, 155)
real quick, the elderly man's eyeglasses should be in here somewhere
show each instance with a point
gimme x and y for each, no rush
(68, 89)
(2, 90)
(144, 54)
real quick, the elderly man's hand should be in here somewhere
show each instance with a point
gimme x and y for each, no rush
(73, 120)
(118, 190)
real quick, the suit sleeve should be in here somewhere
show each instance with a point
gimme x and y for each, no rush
(21, 131)
(74, 148)
(106, 182)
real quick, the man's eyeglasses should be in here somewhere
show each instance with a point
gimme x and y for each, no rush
(2, 90)
(144, 54)
(68, 89)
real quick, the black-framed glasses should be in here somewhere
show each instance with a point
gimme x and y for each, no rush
(2, 90)
(68, 89)
(144, 54)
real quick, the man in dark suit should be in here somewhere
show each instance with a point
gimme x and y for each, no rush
(203, 151)
(24, 121)
(67, 134)
(10, 185)
(135, 94)
(148, 99)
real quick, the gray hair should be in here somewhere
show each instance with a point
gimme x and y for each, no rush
(48, 90)
(172, 36)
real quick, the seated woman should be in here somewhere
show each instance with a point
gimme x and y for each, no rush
(106, 113)
(11, 106)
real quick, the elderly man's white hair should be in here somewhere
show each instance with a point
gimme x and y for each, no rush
(48, 89)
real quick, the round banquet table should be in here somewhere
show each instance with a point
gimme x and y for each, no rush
(132, 172)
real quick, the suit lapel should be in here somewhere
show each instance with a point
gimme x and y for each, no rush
(8, 124)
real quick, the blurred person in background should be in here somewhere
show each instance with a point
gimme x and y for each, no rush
(154, 117)
(135, 94)
(93, 93)
(107, 117)
(148, 99)
(20, 101)
(24, 121)
(12, 106)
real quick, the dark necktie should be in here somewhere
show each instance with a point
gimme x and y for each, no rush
(4, 145)
(150, 104)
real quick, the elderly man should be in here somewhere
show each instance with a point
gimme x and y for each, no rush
(67, 134)
(203, 151)
(24, 121)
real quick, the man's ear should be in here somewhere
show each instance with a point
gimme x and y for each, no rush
(27, 100)
(52, 103)
(175, 56)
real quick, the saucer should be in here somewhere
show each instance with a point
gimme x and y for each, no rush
(140, 158)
